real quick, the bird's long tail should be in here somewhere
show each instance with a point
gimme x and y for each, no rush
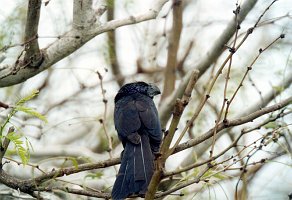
(136, 170)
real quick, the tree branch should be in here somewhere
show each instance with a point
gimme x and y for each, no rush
(15, 183)
(72, 170)
(223, 125)
(112, 50)
(83, 15)
(4, 105)
(164, 150)
(67, 44)
(165, 110)
(65, 150)
(233, 144)
(33, 55)
(5, 145)
(173, 45)
(200, 149)
(77, 191)
(216, 50)
(28, 186)
(31, 185)
(219, 45)
(183, 185)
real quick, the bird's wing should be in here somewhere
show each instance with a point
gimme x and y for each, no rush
(133, 113)
(149, 118)
(127, 121)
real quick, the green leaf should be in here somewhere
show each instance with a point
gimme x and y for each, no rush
(31, 111)
(220, 176)
(28, 97)
(19, 107)
(74, 162)
(210, 172)
(272, 125)
(278, 88)
(94, 175)
(28, 144)
(21, 148)
(22, 152)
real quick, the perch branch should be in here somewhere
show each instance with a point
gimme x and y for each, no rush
(165, 151)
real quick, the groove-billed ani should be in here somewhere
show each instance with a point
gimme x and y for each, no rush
(138, 126)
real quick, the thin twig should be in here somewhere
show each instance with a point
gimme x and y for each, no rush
(187, 183)
(103, 121)
(5, 145)
(247, 71)
(4, 105)
(237, 27)
(235, 122)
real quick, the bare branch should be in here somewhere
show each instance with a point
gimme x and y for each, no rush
(5, 145)
(83, 14)
(77, 191)
(269, 96)
(180, 64)
(15, 183)
(201, 148)
(33, 54)
(68, 43)
(4, 105)
(56, 150)
(103, 120)
(232, 123)
(233, 144)
(167, 107)
(173, 45)
(245, 74)
(183, 185)
(112, 50)
(164, 150)
(72, 170)
(218, 47)
(29, 186)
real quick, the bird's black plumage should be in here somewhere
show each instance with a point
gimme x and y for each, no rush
(138, 126)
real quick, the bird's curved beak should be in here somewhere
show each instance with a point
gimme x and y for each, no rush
(153, 90)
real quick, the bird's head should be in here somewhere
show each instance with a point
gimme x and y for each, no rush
(148, 89)
(152, 90)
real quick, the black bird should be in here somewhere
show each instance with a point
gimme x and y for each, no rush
(138, 126)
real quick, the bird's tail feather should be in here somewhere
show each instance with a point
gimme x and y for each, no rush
(136, 170)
